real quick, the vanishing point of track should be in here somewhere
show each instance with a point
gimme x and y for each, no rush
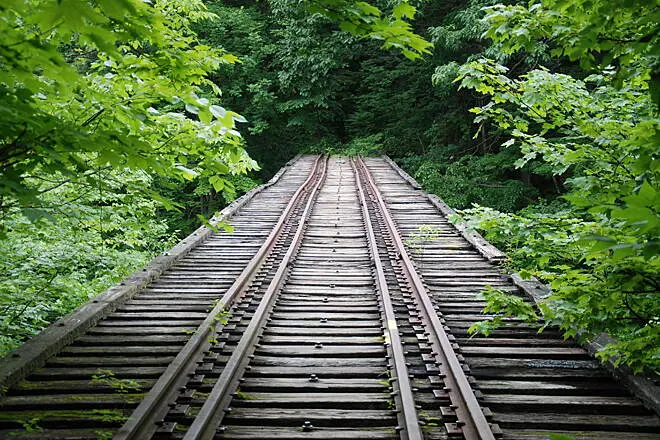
(319, 317)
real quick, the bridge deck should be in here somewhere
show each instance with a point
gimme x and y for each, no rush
(325, 334)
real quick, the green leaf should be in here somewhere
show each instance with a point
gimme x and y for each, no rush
(205, 115)
(218, 183)
(404, 10)
(187, 173)
(367, 9)
(218, 111)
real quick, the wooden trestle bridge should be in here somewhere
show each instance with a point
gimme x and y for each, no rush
(318, 318)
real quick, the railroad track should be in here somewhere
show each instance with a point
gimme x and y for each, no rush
(315, 319)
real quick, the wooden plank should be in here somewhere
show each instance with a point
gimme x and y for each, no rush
(316, 300)
(129, 339)
(310, 351)
(569, 404)
(507, 372)
(148, 297)
(532, 363)
(155, 331)
(78, 372)
(550, 386)
(320, 280)
(467, 283)
(333, 251)
(337, 242)
(69, 401)
(266, 433)
(282, 417)
(318, 400)
(359, 271)
(330, 316)
(47, 421)
(348, 363)
(563, 353)
(124, 351)
(331, 322)
(325, 331)
(155, 300)
(615, 422)
(160, 316)
(324, 308)
(333, 339)
(334, 385)
(321, 369)
(511, 331)
(497, 342)
(87, 385)
(114, 323)
(327, 290)
(536, 434)
(105, 362)
(52, 434)
(150, 308)
(486, 275)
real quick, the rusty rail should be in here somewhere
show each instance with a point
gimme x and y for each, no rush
(211, 414)
(471, 419)
(143, 421)
(407, 416)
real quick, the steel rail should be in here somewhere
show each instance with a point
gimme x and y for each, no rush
(470, 417)
(211, 414)
(407, 415)
(142, 423)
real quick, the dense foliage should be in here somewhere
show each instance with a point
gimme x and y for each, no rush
(543, 113)
(89, 240)
(600, 134)
(110, 118)
(97, 98)
(108, 85)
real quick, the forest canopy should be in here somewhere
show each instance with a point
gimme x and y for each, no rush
(123, 123)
